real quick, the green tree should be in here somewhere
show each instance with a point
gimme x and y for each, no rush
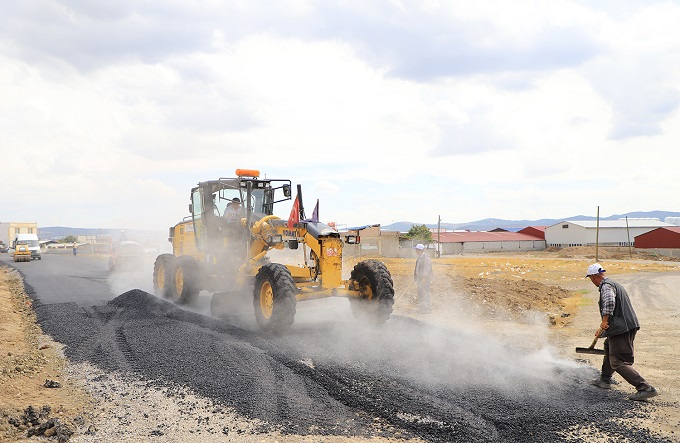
(69, 239)
(420, 232)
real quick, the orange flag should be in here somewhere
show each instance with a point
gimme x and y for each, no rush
(294, 214)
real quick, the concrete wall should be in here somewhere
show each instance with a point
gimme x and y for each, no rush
(383, 246)
(497, 246)
(67, 248)
(666, 252)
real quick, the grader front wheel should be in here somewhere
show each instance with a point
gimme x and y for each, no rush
(184, 280)
(373, 280)
(274, 298)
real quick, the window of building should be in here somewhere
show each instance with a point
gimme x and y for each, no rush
(565, 226)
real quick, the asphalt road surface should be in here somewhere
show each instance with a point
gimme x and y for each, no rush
(330, 375)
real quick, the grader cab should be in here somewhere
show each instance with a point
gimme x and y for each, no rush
(223, 246)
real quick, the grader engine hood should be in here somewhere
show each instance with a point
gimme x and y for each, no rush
(318, 230)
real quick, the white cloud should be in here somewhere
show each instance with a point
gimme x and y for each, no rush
(385, 111)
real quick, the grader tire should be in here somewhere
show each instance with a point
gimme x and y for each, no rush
(274, 298)
(377, 292)
(161, 275)
(184, 281)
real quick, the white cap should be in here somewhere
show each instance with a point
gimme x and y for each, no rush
(420, 246)
(594, 269)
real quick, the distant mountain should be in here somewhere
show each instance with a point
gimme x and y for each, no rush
(488, 224)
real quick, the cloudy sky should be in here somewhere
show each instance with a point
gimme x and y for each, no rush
(384, 110)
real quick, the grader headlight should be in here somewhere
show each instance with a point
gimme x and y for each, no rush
(275, 239)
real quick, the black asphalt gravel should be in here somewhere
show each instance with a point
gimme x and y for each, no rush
(335, 376)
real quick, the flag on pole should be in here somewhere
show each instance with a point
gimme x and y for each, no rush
(294, 214)
(315, 213)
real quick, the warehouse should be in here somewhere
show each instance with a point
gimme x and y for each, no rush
(663, 241)
(481, 242)
(620, 232)
(536, 231)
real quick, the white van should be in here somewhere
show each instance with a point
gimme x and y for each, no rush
(33, 244)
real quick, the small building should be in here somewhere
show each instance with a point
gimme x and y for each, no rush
(9, 230)
(663, 241)
(620, 232)
(373, 242)
(483, 241)
(536, 231)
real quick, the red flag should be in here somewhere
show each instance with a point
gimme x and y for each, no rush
(294, 214)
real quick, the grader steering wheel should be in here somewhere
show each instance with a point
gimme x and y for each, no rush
(262, 228)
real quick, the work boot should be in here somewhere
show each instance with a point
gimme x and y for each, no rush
(644, 394)
(602, 383)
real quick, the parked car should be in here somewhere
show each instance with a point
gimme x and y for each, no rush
(4, 248)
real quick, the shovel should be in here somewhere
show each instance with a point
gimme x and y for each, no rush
(591, 349)
(405, 291)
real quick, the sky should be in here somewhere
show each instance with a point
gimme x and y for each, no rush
(385, 111)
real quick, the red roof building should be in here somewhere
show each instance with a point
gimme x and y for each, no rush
(536, 231)
(659, 238)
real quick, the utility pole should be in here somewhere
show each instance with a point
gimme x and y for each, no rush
(439, 229)
(597, 234)
(630, 251)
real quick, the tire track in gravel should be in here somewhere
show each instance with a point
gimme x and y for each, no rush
(335, 380)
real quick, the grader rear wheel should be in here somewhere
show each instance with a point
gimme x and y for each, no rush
(274, 298)
(161, 275)
(373, 280)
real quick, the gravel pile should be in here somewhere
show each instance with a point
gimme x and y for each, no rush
(335, 378)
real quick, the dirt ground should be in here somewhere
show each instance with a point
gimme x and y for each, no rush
(531, 299)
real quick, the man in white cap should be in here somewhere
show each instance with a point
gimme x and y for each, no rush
(422, 275)
(619, 325)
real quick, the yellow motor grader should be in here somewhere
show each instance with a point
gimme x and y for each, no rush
(222, 248)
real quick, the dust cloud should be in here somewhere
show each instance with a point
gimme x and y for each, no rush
(466, 349)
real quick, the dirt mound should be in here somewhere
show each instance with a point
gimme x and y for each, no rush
(608, 253)
(517, 296)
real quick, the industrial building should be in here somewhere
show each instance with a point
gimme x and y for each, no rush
(620, 232)
(536, 231)
(9, 230)
(482, 242)
(663, 241)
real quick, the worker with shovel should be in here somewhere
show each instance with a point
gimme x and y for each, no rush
(619, 325)
(422, 275)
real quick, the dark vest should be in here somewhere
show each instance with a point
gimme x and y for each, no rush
(623, 319)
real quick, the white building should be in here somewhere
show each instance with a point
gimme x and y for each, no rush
(620, 232)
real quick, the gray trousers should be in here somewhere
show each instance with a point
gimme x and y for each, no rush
(423, 292)
(618, 357)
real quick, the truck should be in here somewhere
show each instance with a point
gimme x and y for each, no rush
(31, 240)
(222, 247)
